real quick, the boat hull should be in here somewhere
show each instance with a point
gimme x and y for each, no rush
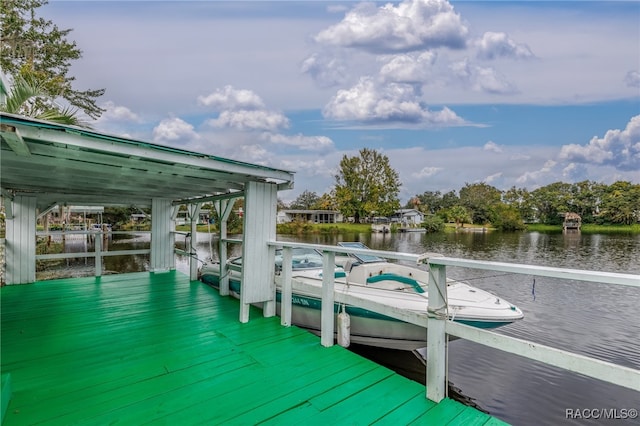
(366, 327)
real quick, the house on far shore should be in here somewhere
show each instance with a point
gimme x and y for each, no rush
(312, 216)
(408, 217)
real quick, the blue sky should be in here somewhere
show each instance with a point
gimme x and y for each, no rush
(518, 94)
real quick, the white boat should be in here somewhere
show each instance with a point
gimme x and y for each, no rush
(381, 224)
(376, 279)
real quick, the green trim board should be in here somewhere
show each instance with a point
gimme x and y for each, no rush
(159, 348)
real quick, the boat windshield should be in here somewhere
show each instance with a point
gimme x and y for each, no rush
(303, 258)
(364, 258)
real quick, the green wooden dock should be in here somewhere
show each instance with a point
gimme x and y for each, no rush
(148, 348)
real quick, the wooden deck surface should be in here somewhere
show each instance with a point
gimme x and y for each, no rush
(147, 348)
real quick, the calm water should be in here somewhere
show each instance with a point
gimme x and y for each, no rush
(597, 320)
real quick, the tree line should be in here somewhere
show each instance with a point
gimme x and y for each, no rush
(366, 186)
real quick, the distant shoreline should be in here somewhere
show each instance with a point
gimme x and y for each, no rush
(354, 228)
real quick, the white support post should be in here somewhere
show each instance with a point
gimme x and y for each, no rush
(436, 336)
(224, 208)
(20, 248)
(258, 285)
(194, 212)
(285, 275)
(327, 314)
(162, 237)
(269, 307)
(97, 237)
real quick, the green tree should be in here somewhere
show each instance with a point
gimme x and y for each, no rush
(305, 201)
(282, 205)
(621, 203)
(428, 201)
(29, 98)
(366, 184)
(520, 198)
(327, 201)
(506, 217)
(585, 199)
(37, 50)
(551, 201)
(457, 214)
(433, 223)
(479, 199)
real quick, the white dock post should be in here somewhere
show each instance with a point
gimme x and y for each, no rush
(98, 249)
(224, 208)
(436, 336)
(285, 275)
(20, 243)
(194, 212)
(162, 238)
(328, 297)
(258, 258)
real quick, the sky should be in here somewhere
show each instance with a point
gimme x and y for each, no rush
(522, 93)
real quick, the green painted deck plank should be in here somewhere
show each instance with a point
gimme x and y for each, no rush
(351, 388)
(314, 411)
(139, 348)
(445, 411)
(407, 412)
(494, 421)
(104, 378)
(300, 396)
(227, 401)
(469, 417)
(371, 403)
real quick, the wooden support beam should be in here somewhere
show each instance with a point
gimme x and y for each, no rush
(327, 319)
(285, 275)
(436, 337)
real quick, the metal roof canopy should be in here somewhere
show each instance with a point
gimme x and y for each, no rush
(62, 164)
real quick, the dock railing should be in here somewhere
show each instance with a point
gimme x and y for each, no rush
(437, 324)
(98, 237)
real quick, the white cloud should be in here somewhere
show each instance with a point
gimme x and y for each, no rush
(306, 143)
(229, 98)
(618, 148)
(407, 68)
(250, 120)
(326, 70)
(494, 45)
(632, 79)
(574, 172)
(411, 25)
(174, 130)
(310, 167)
(537, 176)
(519, 156)
(426, 172)
(369, 102)
(118, 113)
(492, 178)
(492, 146)
(255, 154)
(481, 79)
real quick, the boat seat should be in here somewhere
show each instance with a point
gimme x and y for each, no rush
(398, 278)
